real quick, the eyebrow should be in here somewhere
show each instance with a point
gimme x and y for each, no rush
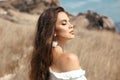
(64, 20)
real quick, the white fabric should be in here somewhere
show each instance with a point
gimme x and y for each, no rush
(70, 75)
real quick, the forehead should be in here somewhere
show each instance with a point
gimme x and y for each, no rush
(62, 16)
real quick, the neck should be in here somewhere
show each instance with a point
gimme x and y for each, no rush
(61, 43)
(60, 47)
(58, 50)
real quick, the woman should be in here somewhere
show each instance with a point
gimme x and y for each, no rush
(49, 61)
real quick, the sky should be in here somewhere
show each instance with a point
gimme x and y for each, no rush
(110, 8)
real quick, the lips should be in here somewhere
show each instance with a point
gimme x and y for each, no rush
(72, 32)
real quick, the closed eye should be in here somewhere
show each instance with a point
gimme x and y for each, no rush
(63, 23)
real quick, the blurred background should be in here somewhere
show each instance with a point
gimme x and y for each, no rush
(97, 41)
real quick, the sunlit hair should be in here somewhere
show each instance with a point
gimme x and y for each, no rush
(42, 57)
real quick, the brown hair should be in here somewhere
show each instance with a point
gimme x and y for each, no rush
(42, 56)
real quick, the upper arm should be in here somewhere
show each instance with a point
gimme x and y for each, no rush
(69, 62)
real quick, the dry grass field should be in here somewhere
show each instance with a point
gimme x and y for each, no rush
(98, 50)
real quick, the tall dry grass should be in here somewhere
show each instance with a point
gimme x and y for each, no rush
(98, 51)
(16, 44)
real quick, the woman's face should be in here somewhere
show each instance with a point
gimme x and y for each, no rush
(64, 29)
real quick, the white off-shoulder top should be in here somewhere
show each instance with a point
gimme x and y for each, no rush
(70, 75)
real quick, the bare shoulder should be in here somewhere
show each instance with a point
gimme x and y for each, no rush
(69, 61)
(69, 57)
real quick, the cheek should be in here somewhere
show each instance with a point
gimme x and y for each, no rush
(62, 32)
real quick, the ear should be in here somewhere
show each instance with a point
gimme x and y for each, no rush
(55, 34)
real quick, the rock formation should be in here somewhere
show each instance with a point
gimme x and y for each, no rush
(96, 21)
(31, 6)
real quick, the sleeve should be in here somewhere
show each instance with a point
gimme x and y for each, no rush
(71, 75)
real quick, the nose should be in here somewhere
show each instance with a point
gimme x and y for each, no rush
(71, 26)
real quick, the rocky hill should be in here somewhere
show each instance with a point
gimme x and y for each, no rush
(30, 6)
(96, 45)
(94, 20)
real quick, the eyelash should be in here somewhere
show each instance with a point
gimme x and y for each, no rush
(64, 23)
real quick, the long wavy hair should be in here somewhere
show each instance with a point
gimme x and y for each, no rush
(42, 57)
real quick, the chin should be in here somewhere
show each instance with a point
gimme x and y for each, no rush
(72, 37)
(68, 37)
